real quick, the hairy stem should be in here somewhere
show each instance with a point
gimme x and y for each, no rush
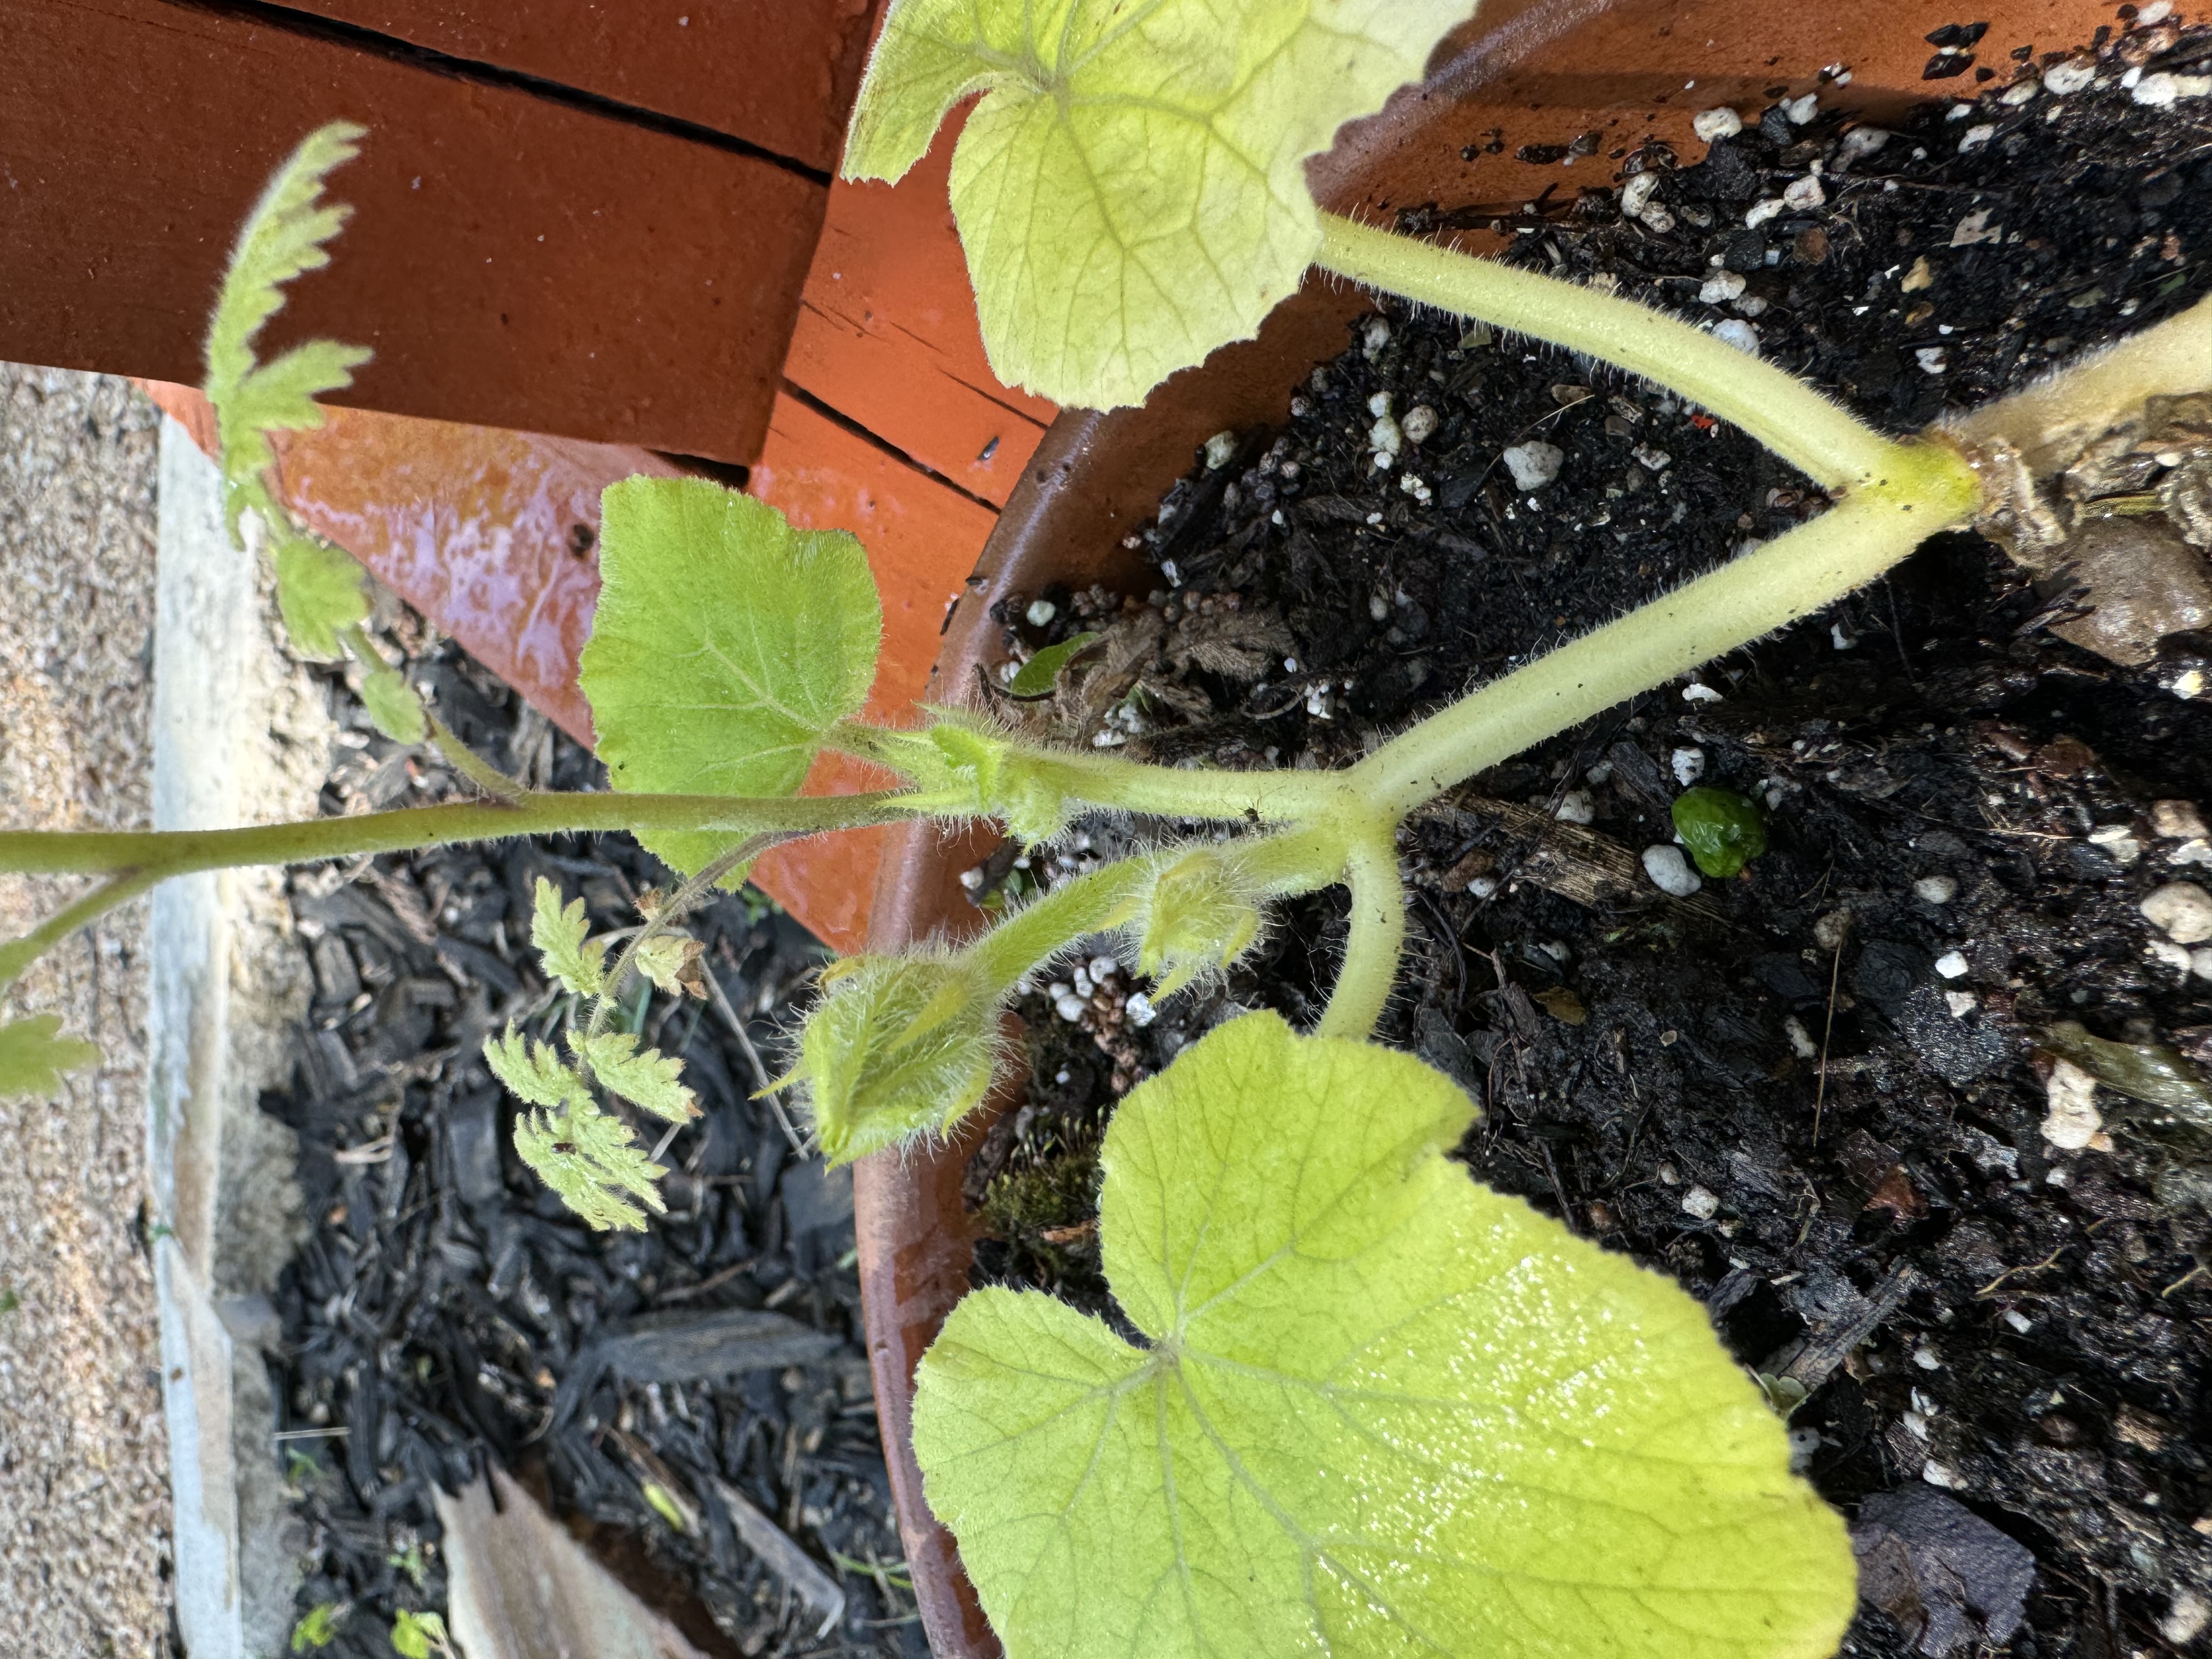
(20, 954)
(472, 766)
(157, 853)
(1037, 933)
(1101, 780)
(1812, 434)
(1377, 938)
(1929, 490)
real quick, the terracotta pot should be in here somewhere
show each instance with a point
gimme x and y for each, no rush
(1531, 76)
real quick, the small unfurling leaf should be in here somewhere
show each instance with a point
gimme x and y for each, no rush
(535, 1074)
(674, 962)
(651, 1080)
(590, 1161)
(898, 1048)
(34, 1055)
(394, 705)
(1200, 913)
(318, 591)
(563, 942)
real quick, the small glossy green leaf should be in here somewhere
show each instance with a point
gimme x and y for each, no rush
(1041, 672)
(1131, 190)
(417, 1635)
(34, 1056)
(562, 941)
(319, 592)
(1379, 1411)
(651, 1080)
(319, 1626)
(726, 647)
(1723, 830)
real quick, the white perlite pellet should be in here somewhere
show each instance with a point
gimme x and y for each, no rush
(1700, 1203)
(1420, 424)
(2182, 911)
(1711, 124)
(1952, 965)
(1534, 464)
(1689, 765)
(1936, 889)
(1670, 871)
(2177, 820)
(2072, 1120)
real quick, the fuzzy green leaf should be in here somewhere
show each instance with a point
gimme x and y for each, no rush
(1131, 190)
(318, 591)
(725, 647)
(534, 1072)
(651, 1080)
(34, 1056)
(284, 237)
(394, 705)
(1384, 1411)
(590, 1159)
(562, 941)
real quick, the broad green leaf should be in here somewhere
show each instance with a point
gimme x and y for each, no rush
(1041, 672)
(1131, 190)
(651, 1080)
(534, 1072)
(1381, 1411)
(590, 1158)
(725, 647)
(34, 1056)
(318, 590)
(562, 941)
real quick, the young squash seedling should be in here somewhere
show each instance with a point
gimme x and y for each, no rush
(1374, 1408)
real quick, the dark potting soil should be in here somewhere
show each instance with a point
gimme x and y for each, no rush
(1813, 1094)
(448, 1312)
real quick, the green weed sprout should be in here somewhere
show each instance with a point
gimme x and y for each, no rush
(1375, 1409)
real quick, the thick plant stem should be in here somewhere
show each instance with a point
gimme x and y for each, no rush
(1376, 940)
(1094, 779)
(1818, 437)
(157, 853)
(20, 954)
(1790, 577)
